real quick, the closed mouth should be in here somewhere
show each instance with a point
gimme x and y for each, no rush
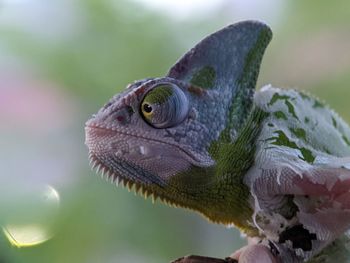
(187, 153)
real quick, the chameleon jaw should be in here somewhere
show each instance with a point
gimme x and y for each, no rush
(113, 154)
(167, 194)
(119, 179)
(138, 188)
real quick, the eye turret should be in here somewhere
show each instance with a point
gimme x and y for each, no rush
(164, 106)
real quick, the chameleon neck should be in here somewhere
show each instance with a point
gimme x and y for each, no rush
(218, 192)
(233, 159)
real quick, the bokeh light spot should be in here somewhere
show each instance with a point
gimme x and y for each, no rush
(27, 235)
(33, 219)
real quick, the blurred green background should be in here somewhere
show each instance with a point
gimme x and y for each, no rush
(60, 60)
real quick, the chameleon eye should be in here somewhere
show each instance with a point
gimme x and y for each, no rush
(164, 106)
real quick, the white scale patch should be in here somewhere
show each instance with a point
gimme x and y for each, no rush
(308, 150)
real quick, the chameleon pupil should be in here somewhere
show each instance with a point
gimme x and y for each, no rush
(147, 108)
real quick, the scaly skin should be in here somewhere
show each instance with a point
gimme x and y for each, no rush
(271, 163)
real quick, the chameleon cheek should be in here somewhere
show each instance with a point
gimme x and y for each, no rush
(161, 160)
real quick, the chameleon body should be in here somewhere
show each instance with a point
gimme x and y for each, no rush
(271, 162)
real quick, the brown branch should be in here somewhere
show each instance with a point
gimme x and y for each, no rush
(201, 259)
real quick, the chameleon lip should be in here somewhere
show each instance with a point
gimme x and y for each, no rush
(93, 126)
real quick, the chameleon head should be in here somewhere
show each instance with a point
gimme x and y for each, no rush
(149, 134)
(165, 135)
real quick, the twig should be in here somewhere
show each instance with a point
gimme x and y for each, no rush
(201, 259)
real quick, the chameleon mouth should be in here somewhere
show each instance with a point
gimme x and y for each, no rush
(195, 159)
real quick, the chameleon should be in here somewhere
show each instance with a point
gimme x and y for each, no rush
(273, 162)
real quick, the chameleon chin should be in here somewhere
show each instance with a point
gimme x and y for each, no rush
(272, 162)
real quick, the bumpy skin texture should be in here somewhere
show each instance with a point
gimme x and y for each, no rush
(273, 162)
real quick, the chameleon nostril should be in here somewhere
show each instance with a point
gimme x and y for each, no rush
(120, 118)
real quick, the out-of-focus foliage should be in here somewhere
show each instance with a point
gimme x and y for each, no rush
(104, 53)
(51, 81)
